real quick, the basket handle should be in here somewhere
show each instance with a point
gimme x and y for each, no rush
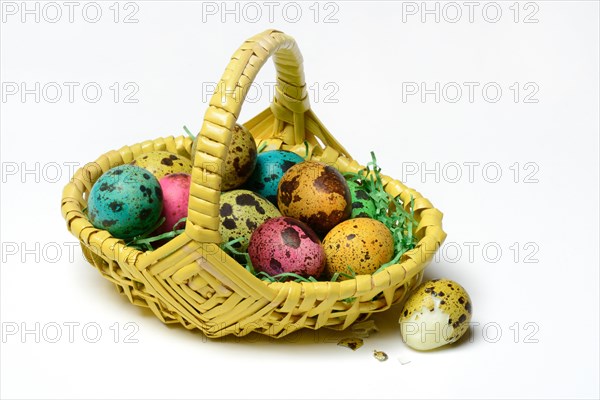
(223, 111)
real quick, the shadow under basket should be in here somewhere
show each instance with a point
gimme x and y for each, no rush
(190, 280)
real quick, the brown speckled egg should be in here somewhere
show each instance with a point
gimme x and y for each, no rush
(163, 163)
(240, 159)
(316, 194)
(438, 312)
(363, 244)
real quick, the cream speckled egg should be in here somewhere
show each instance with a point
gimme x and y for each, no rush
(437, 313)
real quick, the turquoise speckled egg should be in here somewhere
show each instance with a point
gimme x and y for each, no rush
(126, 201)
(270, 167)
(362, 204)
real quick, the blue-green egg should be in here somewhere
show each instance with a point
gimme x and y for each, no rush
(270, 167)
(362, 204)
(126, 201)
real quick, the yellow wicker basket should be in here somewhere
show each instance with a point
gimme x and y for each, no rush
(190, 280)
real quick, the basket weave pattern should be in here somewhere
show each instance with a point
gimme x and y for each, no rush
(190, 280)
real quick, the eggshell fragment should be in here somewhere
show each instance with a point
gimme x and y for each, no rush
(380, 355)
(351, 343)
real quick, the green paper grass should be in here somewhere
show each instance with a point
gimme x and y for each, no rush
(145, 243)
(389, 211)
(190, 134)
(262, 147)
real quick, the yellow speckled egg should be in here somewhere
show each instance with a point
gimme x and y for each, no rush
(240, 160)
(316, 194)
(163, 163)
(437, 313)
(363, 244)
(241, 212)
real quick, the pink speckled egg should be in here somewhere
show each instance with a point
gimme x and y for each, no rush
(285, 244)
(176, 192)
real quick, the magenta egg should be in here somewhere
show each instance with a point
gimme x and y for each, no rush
(285, 244)
(176, 192)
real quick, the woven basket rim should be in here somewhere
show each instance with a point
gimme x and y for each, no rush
(191, 279)
(132, 253)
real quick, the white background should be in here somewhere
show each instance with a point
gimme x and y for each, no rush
(549, 279)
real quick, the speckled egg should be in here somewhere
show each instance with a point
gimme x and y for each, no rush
(270, 167)
(362, 204)
(316, 194)
(240, 159)
(176, 192)
(286, 245)
(241, 212)
(163, 163)
(437, 313)
(126, 201)
(363, 244)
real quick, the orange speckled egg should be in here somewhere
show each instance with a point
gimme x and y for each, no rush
(316, 194)
(363, 244)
